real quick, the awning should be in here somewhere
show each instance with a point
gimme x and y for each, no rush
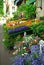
(30, 1)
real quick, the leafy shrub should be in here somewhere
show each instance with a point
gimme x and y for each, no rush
(38, 29)
(1, 7)
(7, 39)
(42, 18)
(29, 11)
(16, 15)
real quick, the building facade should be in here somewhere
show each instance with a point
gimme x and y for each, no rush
(10, 6)
(39, 8)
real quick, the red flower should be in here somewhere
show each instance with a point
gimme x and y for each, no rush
(27, 49)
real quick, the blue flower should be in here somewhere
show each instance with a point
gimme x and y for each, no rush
(34, 48)
(36, 62)
(17, 29)
(34, 57)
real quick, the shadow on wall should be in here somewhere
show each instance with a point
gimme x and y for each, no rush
(18, 2)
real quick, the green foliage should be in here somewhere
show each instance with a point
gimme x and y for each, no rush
(35, 55)
(18, 38)
(22, 51)
(28, 11)
(38, 29)
(16, 16)
(28, 62)
(42, 18)
(1, 7)
(8, 44)
(22, 8)
(8, 40)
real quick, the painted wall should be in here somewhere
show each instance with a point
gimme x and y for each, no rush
(40, 12)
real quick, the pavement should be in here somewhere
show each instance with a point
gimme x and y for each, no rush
(4, 54)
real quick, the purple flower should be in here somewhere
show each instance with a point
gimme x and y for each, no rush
(34, 48)
(36, 62)
(43, 57)
(43, 49)
(17, 29)
(34, 57)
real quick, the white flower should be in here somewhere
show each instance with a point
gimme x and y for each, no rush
(25, 53)
(23, 41)
(22, 54)
(14, 47)
(24, 47)
(13, 24)
(15, 52)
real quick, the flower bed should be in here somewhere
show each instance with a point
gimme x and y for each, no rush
(33, 58)
(17, 29)
(12, 29)
(16, 24)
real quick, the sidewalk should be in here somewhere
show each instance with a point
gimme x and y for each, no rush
(4, 54)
